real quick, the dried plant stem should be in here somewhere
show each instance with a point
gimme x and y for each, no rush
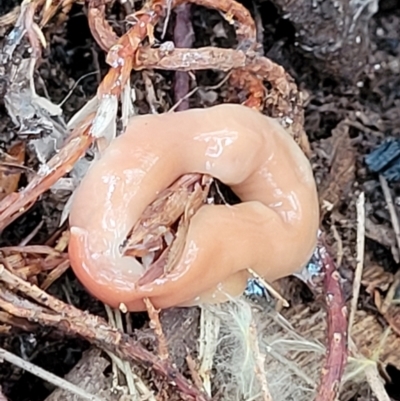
(190, 59)
(142, 388)
(376, 382)
(372, 375)
(156, 326)
(260, 363)
(392, 210)
(371, 371)
(15, 204)
(336, 359)
(396, 228)
(114, 366)
(94, 329)
(339, 244)
(360, 257)
(249, 71)
(114, 318)
(45, 375)
(208, 341)
(183, 38)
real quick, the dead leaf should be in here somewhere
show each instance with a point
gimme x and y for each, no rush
(392, 316)
(376, 278)
(147, 235)
(384, 235)
(9, 175)
(342, 167)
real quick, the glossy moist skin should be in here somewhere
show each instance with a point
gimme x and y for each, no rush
(273, 231)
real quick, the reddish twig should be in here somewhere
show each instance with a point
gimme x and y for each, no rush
(183, 38)
(100, 28)
(121, 55)
(232, 11)
(2, 396)
(155, 324)
(337, 347)
(15, 204)
(250, 70)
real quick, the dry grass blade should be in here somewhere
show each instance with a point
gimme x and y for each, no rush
(392, 210)
(115, 319)
(360, 257)
(260, 363)
(371, 371)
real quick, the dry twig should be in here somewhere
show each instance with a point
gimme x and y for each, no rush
(155, 324)
(183, 38)
(94, 329)
(208, 341)
(337, 329)
(43, 374)
(360, 257)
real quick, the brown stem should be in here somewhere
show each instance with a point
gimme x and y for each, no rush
(183, 38)
(94, 329)
(337, 349)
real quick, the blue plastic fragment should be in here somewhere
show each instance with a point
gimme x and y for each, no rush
(255, 289)
(385, 160)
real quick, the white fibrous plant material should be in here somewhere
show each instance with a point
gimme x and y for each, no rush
(235, 362)
(71, 183)
(128, 100)
(37, 117)
(104, 124)
(90, 107)
(365, 8)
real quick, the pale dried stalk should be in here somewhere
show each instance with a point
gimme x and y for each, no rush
(360, 257)
(208, 341)
(260, 363)
(47, 376)
(396, 228)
